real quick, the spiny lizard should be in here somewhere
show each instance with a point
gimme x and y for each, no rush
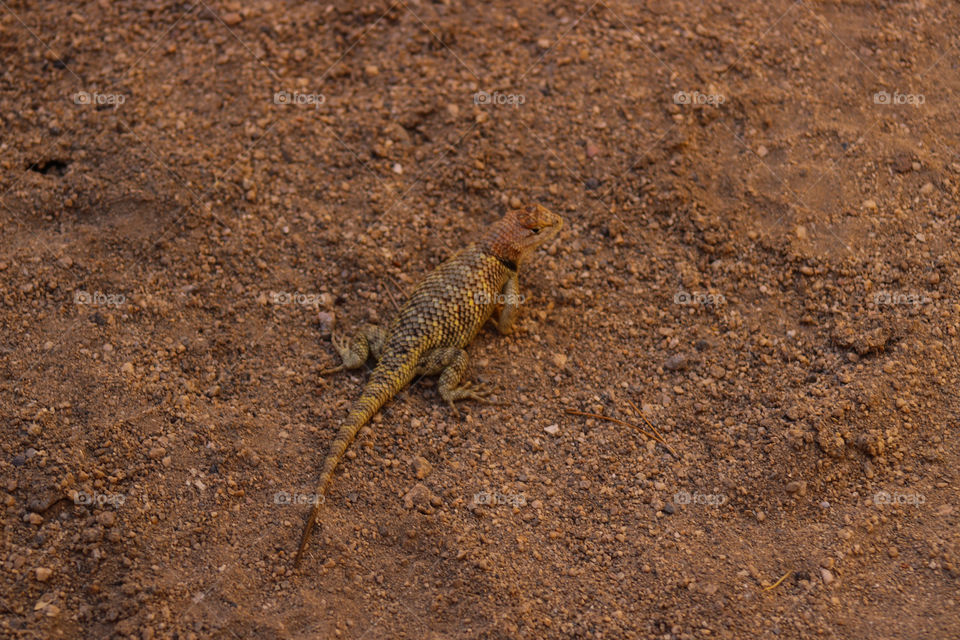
(441, 317)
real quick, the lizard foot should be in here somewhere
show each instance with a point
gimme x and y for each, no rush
(468, 391)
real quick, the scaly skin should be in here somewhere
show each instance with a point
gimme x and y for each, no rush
(442, 316)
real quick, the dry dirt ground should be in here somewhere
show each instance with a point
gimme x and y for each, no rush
(760, 254)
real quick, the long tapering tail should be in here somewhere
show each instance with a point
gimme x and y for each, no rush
(390, 375)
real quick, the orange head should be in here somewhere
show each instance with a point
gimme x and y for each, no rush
(521, 232)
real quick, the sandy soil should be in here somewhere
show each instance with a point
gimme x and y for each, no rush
(761, 254)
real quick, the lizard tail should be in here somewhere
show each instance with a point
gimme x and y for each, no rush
(390, 375)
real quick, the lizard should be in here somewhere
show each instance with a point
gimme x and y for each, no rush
(429, 333)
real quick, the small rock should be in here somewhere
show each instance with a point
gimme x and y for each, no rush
(552, 429)
(326, 321)
(669, 509)
(762, 151)
(127, 368)
(371, 70)
(798, 487)
(926, 189)
(559, 360)
(544, 43)
(676, 362)
(43, 573)
(933, 278)
(826, 575)
(156, 453)
(92, 534)
(870, 205)
(419, 496)
(801, 232)
(902, 163)
(232, 19)
(893, 551)
(421, 467)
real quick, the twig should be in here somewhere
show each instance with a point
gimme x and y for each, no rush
(662, 439)
(777, 583)
(574, 412)
(392, 299)
(399, 288)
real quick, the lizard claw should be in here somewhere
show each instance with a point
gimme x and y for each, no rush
(336, 369)
(453, 407)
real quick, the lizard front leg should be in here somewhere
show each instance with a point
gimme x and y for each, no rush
(355, 351)
(451, 364)
(511, 298)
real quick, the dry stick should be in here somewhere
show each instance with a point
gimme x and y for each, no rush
(392, 299)
(403, 293)
(574, 412)
(777, 583)
(662, 439)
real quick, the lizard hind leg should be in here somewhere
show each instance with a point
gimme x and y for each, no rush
(355, 351)
(451, 364)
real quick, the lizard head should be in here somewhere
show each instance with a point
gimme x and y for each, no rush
(522, 231)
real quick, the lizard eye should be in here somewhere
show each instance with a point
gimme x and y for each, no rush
(535, 230)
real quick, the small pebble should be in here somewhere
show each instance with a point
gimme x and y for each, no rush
(676, 362)
(798, 487)
(421, 467)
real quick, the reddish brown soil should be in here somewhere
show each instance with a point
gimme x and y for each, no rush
(772, 275)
